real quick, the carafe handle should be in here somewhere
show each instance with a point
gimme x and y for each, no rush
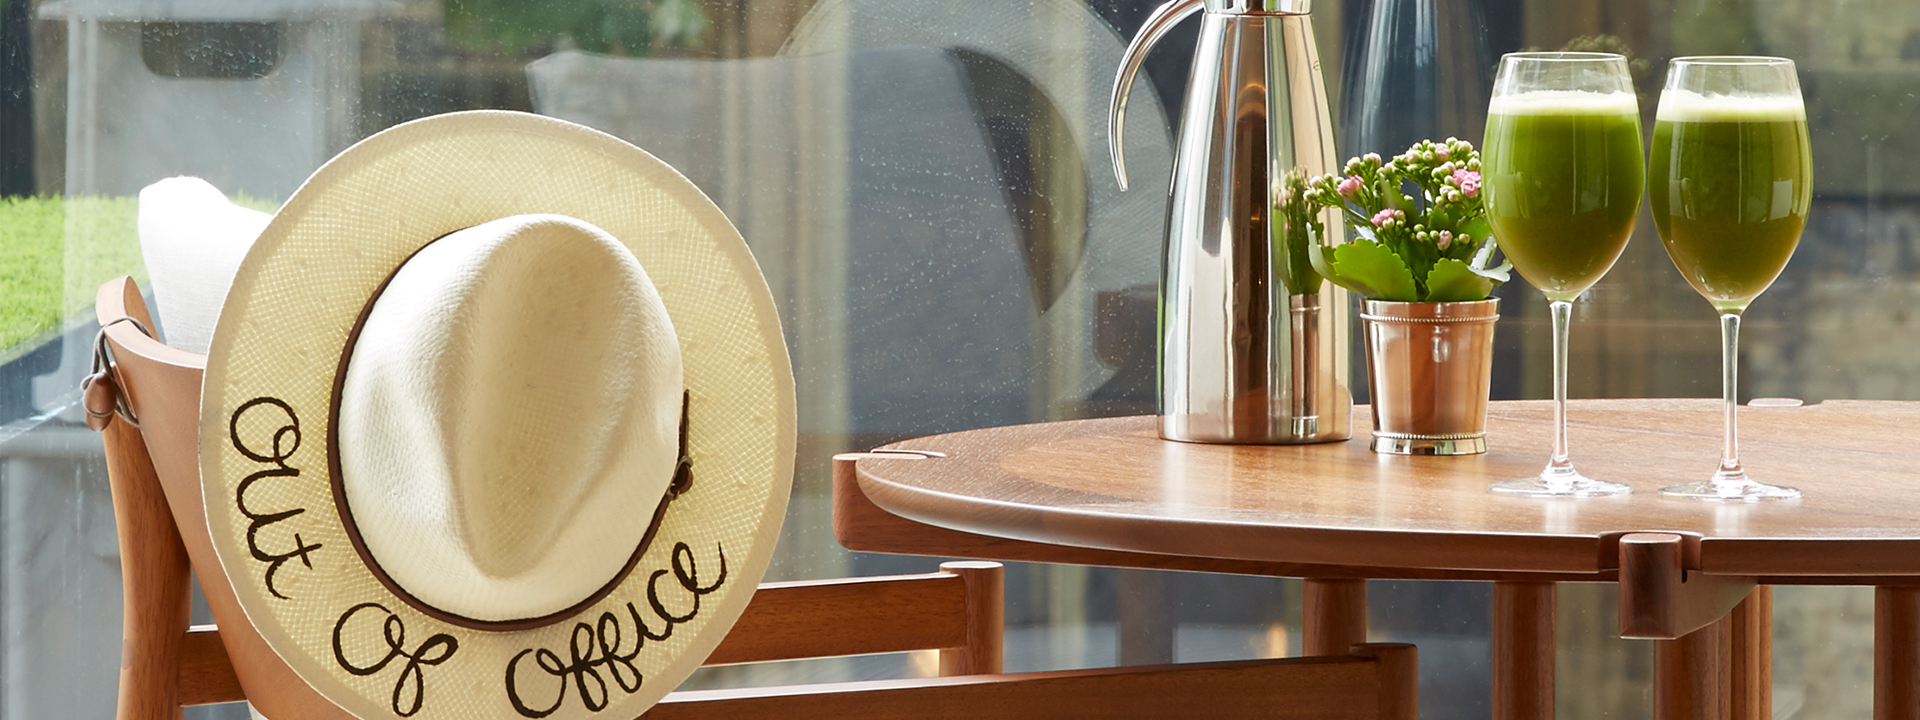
(1156, 27)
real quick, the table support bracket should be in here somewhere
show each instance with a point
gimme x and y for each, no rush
(1661, 598)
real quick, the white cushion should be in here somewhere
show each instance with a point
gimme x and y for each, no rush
(193, 239)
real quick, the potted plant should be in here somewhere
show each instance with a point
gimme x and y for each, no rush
(1421, 256)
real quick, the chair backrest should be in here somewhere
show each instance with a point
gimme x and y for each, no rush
(956, 611)
(167, 665)
(154, 477)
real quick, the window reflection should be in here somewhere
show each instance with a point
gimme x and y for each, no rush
(230, 51)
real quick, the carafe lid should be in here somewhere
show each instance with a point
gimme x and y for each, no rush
(1260, 7)
(1155, 27)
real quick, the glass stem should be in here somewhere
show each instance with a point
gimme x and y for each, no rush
(1730, 472)
(1559, 473)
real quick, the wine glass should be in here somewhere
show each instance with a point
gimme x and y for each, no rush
(1731, 180)
(1563, 175)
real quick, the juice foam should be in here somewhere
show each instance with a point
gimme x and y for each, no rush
(1687, 106)
(1565, 102)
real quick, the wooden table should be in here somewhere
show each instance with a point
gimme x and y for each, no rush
(1692, 575)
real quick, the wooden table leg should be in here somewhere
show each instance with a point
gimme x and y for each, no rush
(1523, 650)
(1896, 653)
(1750, 646)
(1689, 675)
(1334, 616)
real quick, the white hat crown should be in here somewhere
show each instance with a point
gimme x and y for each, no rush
(509, 418)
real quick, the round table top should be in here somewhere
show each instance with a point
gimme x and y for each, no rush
(1113, 484)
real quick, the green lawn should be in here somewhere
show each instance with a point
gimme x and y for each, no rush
(54, 253)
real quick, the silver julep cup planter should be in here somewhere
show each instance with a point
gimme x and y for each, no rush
(1430, 367)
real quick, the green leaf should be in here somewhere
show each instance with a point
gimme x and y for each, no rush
(1478, 228)
(1455, 281)
(1395, 200)
(1367, 268)
(1317, 257)
(1417, 255)
(1294, 243)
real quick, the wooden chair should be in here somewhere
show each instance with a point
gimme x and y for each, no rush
(167, 665)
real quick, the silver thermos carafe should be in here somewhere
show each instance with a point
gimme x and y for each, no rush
(1253, 343)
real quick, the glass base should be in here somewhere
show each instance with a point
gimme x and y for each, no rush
(1564, 482)
(1734, 487)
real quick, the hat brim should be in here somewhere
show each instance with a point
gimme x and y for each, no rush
(265, 478)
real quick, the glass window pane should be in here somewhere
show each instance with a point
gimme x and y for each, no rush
(928, 190)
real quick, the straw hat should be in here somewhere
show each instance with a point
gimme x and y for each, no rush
(497, 422)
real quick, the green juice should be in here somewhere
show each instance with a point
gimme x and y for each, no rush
(1563, 177)
(1730, 182)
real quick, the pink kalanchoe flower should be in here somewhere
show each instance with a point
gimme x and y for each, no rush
(1380, 218)
(1468, 181)
(1349, 187)
(1446, 238)
(1440, 153)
